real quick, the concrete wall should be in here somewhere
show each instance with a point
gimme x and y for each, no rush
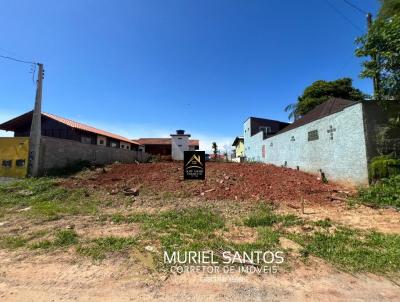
(58, 153)
(180, 143)
(343, 158)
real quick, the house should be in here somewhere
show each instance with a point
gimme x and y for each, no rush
(238, 152)
(63, 143)
(169, 147)
(59, 127)
(337, 137)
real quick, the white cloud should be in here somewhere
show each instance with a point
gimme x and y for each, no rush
(5, 116)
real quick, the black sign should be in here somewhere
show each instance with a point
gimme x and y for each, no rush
(194, 165)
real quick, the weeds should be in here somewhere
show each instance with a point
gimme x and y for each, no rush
(63, 238)
(98, 248)
(264, 216)
(354, 250)
(384, 193)
(12, 242)
(45, 199)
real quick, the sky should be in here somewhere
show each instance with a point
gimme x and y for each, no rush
(144, 68)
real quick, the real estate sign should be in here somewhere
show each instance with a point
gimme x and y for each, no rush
(194, 165)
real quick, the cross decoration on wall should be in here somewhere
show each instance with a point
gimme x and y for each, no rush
(331, 130)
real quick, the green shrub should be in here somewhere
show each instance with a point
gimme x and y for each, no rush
(384, 193)
(383, 167)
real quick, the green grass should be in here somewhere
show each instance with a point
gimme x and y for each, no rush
(184, 229)
(12, 242)
(326, 223)
(353, 250)
(384, 193)
(264, 216)
(99, 248)
(63, 238)
(46, 199)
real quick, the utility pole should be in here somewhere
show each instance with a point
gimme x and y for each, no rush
(376, 78)
(36, 126)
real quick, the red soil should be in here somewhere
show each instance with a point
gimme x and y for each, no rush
(223, 181)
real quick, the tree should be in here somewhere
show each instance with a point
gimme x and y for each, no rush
(319, 92)
(215, 149)
(389, 8)
(382, 45)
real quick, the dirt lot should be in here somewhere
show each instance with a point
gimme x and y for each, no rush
(223, 181)
(95, 240)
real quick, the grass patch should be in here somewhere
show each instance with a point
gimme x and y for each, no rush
(384, 193)
(63, 238)
(354, 250)
(264, 216)
(178, 230)
(46, 199)
(325, 223)
(99, 248)
(12, 242)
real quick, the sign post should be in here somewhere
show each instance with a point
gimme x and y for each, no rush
(194, 165)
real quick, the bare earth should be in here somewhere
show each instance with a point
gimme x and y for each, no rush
(63, 275)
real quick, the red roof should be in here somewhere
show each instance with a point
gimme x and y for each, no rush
(87, 128)
(163, 141)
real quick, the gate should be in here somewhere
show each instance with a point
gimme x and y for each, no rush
(14, 153)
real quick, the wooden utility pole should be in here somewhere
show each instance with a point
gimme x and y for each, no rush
(376, 78)
(34, 139)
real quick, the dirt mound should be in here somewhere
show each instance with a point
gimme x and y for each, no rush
(223, 181)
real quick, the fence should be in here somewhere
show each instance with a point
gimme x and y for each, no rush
(59, 153)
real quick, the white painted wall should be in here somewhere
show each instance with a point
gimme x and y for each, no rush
(342, 159)
(180, 143)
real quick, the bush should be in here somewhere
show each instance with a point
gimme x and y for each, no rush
(383, 166)
(384, 193)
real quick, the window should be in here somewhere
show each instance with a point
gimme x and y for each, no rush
(7, 163)
(292, 139)
(113, 145)
(86, 140)
(101, 142)
(313, 135)
(265, 129)
(179, 137)
(179, 145)
(20, 163)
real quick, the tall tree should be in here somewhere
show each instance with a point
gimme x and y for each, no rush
(389, 8)
(382, 45)
(319, 92)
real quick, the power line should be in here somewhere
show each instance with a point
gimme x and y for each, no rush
(33, 64)
(344, 16)
(17, 60)
(355, 7)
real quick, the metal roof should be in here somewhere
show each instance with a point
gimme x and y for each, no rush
(73, 124)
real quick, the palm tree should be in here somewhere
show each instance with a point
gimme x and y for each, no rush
(292, 108)
(215, 149)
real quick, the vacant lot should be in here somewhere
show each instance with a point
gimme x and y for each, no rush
(100, 235)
